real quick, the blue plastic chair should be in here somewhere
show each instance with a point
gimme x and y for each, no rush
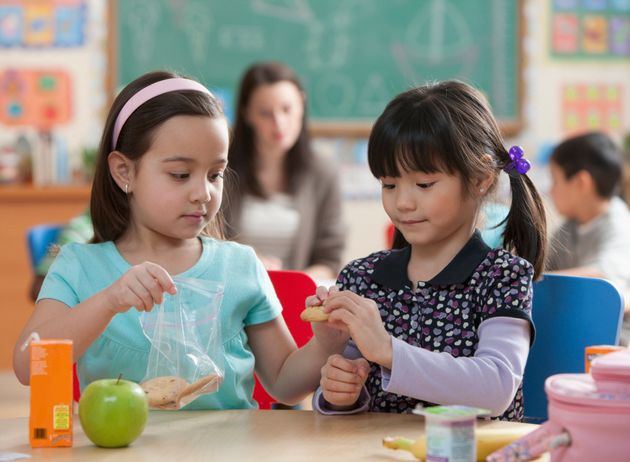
(570, 313)
(39, 238)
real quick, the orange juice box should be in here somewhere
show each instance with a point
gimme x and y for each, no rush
(50, 422)
(593, 351)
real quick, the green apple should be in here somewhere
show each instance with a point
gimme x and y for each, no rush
(113, 412)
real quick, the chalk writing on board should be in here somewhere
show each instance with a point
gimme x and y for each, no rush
(295, 10)
(199, 30)
(353, 55)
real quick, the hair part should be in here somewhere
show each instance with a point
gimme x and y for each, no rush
(596, 154)
(448, 126)
(109, 205)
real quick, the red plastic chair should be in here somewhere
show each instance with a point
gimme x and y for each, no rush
(292, 288)
(390, 230)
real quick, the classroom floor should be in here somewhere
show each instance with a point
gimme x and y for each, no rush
(14, 397)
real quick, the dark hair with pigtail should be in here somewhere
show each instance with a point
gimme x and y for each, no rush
(448, 127)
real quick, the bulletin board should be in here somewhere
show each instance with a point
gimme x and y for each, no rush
(587, 29)
(36, 97)
(42, 23)
(353, 55)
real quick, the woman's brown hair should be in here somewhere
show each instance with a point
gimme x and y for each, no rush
(109, 206)
(448, 126)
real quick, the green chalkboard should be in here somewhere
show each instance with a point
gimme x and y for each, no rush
(353, 55)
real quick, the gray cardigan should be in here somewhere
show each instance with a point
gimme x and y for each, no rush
(320, 237)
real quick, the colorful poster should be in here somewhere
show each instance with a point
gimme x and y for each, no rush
(42, 23)
(35, 97)
(587, 107)
(590, 28)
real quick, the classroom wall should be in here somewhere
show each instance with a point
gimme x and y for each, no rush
(545, 80)
(86, 67)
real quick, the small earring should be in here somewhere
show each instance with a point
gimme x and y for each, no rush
(127, 188)
(481, 190)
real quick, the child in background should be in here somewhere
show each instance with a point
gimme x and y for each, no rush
(594, 241)
(79, 229)
(444, 319)
(157, 189)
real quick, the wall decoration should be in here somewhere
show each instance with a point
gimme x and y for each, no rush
(40, 98)
(42, 23)
(587, 107)
(590, 29)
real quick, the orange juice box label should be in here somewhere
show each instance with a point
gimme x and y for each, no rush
(593, 351)
(50, 423)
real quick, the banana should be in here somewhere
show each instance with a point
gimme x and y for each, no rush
(488, 441)
(418, 447)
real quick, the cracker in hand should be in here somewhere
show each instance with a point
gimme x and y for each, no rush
(314, 314)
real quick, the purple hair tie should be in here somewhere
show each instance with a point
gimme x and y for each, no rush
(518, 165)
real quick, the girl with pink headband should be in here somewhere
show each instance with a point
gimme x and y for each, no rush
(155, 203)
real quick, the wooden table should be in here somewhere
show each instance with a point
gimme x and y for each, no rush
(240, 436)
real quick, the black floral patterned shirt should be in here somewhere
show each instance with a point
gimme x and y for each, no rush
(442, 314)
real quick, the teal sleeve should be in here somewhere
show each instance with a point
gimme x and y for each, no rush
(62, 281)
(266, 306)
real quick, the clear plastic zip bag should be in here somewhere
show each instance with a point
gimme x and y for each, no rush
(185, 359)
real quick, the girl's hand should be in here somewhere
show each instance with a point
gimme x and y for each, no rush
(321, 294)
(142, 286)
(363, 321)
(342, 380)
(333, 336)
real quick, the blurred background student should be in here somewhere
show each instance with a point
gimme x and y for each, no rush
(79, 229)
(286, 202)
(594, 241)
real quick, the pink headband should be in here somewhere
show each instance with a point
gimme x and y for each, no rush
(144, 95)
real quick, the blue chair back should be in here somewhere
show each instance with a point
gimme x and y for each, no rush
(39, 238)
(570, 313)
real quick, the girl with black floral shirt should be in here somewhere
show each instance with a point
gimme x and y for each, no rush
(442, 318)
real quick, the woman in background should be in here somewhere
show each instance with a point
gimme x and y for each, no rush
(286, 201)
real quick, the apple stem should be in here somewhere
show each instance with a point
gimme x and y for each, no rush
(119, 376)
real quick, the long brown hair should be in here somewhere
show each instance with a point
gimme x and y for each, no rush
(448, 126)
(109, 206)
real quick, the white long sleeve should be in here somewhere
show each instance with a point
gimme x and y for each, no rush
(489, 379)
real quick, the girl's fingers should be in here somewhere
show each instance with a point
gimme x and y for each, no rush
(312, 300)
(338, 386)
(321, 293)
(339, 368)
(136, 300)
(152, 285)
(341, 315)
(163, 278)
(142, 293)
(340, 300)
(363, 368)
(339, 362)
(340, 376)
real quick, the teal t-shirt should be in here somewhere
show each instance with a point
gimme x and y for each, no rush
(81, 270)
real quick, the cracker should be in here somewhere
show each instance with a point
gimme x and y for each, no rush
(163, 391)
(314, 314)
(204, 385)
